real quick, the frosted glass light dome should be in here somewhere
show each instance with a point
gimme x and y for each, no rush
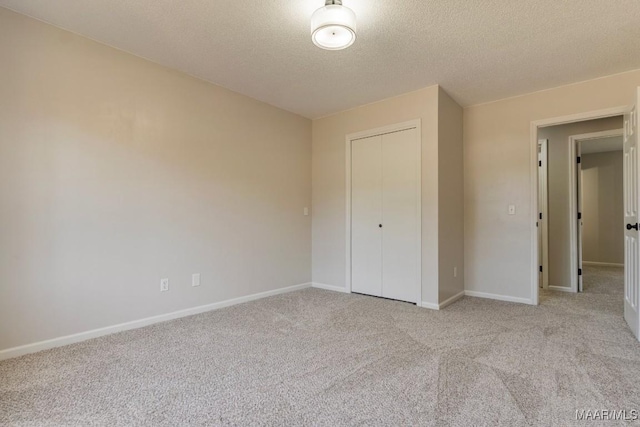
(333, 27)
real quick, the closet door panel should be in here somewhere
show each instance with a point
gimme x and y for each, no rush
(400, 237)
(366, 212)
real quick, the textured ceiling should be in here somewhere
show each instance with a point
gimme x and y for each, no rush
(478, 50)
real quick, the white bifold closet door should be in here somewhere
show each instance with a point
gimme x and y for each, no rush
(384, 215)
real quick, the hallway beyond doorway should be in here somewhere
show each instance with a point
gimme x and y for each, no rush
(603, 291)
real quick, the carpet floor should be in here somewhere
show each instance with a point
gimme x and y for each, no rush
(322, 358)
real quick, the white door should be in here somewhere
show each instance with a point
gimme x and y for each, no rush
(400, 230)
(366, 216)
(385, 229)
(631, 238)
(579, 219)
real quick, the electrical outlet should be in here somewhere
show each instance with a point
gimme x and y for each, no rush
(195, 279)
(306, 211)
(164, 285)
(455, 271)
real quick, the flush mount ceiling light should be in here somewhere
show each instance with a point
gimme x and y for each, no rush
(333, 27)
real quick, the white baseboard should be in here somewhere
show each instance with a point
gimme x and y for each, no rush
(83, 336)
(602, 264)
(451, 300)
(498, 297)
(560, 288)
(444, 303)
(330, 287)
(430, 305)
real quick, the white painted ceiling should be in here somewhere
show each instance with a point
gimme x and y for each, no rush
(601, 145)
(478, 50)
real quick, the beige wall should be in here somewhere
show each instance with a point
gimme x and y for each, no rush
(329, 259)
(450, 197)
(602, 207)
(560, 221)
(497, 160)
(116, 172)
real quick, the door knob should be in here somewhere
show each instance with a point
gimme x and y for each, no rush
(380, 225)
(635, 226)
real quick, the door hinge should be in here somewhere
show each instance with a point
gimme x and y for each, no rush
(579, 215)
(578, 159)
(579, 272)
(540, 269)
(540, 215)
(539, 163)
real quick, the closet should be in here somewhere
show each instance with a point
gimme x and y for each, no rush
(385, 215)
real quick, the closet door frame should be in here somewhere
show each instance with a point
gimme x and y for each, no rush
(412, 124)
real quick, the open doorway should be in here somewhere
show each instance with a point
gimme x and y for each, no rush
(560, 216)
(631, 201)
(599, 207)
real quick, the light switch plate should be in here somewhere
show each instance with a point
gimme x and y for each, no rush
(512, 209)
(195, 279)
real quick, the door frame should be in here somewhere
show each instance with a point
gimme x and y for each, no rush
(575, 197)
(533, 170)
(543, 227)
(411, 124)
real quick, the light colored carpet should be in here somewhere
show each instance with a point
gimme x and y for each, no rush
(321, 358)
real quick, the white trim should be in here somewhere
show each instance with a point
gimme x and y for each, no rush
(383, 130)
(411, 124)
(330, 287)
(476, 295)
(347, 266)
(562, 289)
(543, 226)
(500, 297)
(443, 304)
(575, 196)
(579, 208)
(95, 333)
(573, 217)
(598, 135)
(430, 305)
(533, 170)
(581, 117)
(602, 264)
(451, 300)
